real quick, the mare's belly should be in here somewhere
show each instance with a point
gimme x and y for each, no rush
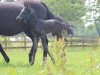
(10, 32)
(8, 23)
(10, 27)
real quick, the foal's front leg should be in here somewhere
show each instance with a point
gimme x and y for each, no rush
(33, 49)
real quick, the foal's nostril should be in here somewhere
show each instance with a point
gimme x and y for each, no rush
(17, 18)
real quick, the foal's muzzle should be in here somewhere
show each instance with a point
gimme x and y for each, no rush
(18, 19)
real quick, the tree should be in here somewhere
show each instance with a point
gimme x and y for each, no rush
(91, 18)
(70, 10)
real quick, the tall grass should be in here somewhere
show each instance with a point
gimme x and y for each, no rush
(70, 61)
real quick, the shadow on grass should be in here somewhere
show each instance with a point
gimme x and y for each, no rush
(13, 65)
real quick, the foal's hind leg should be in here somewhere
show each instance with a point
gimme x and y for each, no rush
(46, 51)
(4, 54)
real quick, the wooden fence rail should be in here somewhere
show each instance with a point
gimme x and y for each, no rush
(72, 41)
(81, 41)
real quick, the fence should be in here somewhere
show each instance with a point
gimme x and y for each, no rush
(20, 41)
(82, 41)
(72, 41)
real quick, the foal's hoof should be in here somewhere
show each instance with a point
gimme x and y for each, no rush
(31, 59)
(31, 63)
(53, 61)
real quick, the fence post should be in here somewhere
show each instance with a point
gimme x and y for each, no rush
(25, 42)
(93, 41)
(82, 42)
(71, 40)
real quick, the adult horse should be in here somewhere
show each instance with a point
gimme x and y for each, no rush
(10, 27)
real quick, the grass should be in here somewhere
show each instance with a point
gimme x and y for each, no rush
(73, 61)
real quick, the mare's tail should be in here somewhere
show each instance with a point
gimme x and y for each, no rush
(49, 14)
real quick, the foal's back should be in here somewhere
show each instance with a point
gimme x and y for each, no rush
(52, 25)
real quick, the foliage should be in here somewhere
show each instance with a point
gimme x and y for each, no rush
(71, 10)
(91, 18)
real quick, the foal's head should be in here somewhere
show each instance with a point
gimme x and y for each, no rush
(25, 13)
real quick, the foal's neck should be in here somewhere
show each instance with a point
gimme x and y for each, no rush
(34, 18)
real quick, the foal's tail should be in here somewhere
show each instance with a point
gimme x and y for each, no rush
(68, 28)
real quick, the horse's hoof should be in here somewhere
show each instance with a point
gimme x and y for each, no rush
(43, 63)
(30, 57)
(44, 60)
(7, 60)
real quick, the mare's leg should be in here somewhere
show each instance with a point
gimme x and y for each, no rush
(35, 39)
(4, 54)
(46, 51)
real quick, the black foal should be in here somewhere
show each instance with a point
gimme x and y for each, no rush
(42, 26)
(36, 40)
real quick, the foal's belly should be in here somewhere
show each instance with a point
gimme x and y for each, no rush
(49, 26)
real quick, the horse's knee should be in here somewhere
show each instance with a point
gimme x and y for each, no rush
(47, 41)
(34, 50)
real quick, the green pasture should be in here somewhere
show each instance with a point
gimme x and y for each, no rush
(73, 61)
